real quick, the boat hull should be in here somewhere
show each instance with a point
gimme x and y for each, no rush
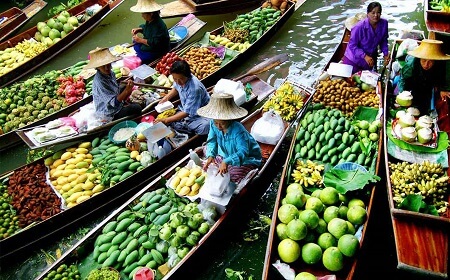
(183, 7)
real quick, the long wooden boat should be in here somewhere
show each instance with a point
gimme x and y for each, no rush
(11, 138)
(225, 206)
(208, 7)
(57, 222)
(436, 21)
(287, 178)
(233, 57)
(68, 40)
(428, 234)
(15, 18)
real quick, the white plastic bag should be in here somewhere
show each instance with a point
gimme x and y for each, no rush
(231, 87)
(216, 183)
(268, 129)
(405, 46)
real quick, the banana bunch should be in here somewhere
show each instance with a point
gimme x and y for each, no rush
(286, 101)
(166, 114)
(308, 173)
(224, 41)
(31, 48)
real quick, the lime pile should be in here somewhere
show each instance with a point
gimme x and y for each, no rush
(318, 228)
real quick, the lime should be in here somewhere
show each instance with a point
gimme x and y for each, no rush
(343, 198)
(351, 228)
(310, 218)
(281, 231)
(283, 201)
(356, 215)
(330, 213)
(315, 204)
(343, 212)
(356, 201)
(337, 227)
(289, 250)
(348, 244)
(287, 213)
(329, 196)
(305, 276)
(311, 253)
(294, 186)
(326, 240)
(296, 198)
(333, 259)
(296, 230)
(321, 226)
(316, 193)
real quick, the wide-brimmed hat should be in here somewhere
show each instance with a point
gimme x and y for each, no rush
(146, 6)
(100, 57)
(429, 49)
(221, 106)
(352, 21)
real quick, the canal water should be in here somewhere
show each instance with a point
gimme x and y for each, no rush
(309, 37)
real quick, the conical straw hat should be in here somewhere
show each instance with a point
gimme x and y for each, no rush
(222, 107)
(429, 49)
(100, 57)
(352, 21)
(146, 6)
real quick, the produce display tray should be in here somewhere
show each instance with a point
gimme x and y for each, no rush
(29, 137)
(396, 133)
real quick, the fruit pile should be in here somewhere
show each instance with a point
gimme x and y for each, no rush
(71, 88)
(188, 181)
(286, 102)
(318, 228)
(64, 272)
(9, 221)
(224, 41)
(160, 228)
(56, 28)
(163, 66)
(11, 58)
(202, 61)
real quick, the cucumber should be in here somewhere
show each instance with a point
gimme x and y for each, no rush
(124, 165)
(134, 166)
(133, 227)
(119, 238)
(105, 247)
(112, 149)
(111, 259)
(123, 254)
(162, 219)
(145, 259)
(126, 175)
(133, 245)
(156, 198)
(112, 249)
(124, 244)
(102, 257)
(123, 224)
(163, 209)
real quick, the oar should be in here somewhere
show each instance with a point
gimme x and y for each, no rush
(147, 85)
(264, 66)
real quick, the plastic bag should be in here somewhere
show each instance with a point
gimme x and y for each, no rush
(405, 46)
(268, 129)
(208, 210)
(216, 183)
(231, 87)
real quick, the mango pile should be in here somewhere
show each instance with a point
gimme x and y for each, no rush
(188, 181)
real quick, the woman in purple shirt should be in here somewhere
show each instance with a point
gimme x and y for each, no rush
(366, 36)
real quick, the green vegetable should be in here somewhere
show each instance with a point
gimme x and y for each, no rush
(414, 202)
(103, 274)
(348, 180)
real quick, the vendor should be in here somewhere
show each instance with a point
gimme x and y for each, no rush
(229, 144)
(110, 101)
(155, 41)
(193, 95)
(366, 35)
(424, 73)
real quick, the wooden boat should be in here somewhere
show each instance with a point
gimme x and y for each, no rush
(428, 234)
(225, 210)
(107, 199)
(15, 18)
(204, 7)
(436, 21)
(272, 257)
(10, 139)
(70, 39)
(236, 57)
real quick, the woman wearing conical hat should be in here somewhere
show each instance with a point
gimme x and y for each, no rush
(229, 144)
(425, 73)
(110, 101)
(155, 41)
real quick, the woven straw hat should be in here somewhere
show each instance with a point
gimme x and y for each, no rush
(100, 57)
(352, 21)
(146, 6)
(429, 49)
(222, 107)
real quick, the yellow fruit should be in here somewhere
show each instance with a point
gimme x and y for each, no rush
(87, 192)
(175, 182)
(86, 145)
(48, 161)
(71, 204)
(82, 151)
(134, 154)
(82, 164)
(62, 180)
(83, 198)
(57, 163)
(93, 177)
(71, 177)
(68, 172)
(89, 156)
(184, 191)
(74, 197)
(65, 187)
(88, 185)
(56, 173)
(138, 157)
(82, 178)
(189, 181)
(71, 150)
(66, 156)
(183, 182)
(192, 193)
(98, 188)
(81, 171)
(195, 187)
(183, 172)
(196, 171)
(141, 137)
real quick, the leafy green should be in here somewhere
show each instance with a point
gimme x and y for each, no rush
(236, 275)
(348, 180)
(415, 203)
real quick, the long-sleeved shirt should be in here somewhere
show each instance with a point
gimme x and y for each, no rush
(105, 90)
(193, 95)
(157, 36)
(237, 146)
(365, 41)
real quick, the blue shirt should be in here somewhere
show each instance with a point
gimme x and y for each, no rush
(365, 41)
(105, 90)
(193, 95)
(237, 146)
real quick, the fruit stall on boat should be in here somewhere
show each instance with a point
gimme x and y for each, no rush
(168, 223)
(204, 7)
(327, 186)
(417, 160)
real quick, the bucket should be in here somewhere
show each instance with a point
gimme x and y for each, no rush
(131, 62)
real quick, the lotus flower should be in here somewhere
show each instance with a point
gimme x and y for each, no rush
(424, 121)
(424, 135)
(409, 134)
(406, 120)
(404, 98)
(413, 111)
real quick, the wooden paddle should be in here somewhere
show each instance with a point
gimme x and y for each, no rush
(264, 66)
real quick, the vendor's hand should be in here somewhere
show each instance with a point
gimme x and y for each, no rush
(135, 30)
(207, 163)
(129, 86)
(387, 59)
(369, 60)
(445, 94)
(164, 99)
(164, 121)
(223, 168)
